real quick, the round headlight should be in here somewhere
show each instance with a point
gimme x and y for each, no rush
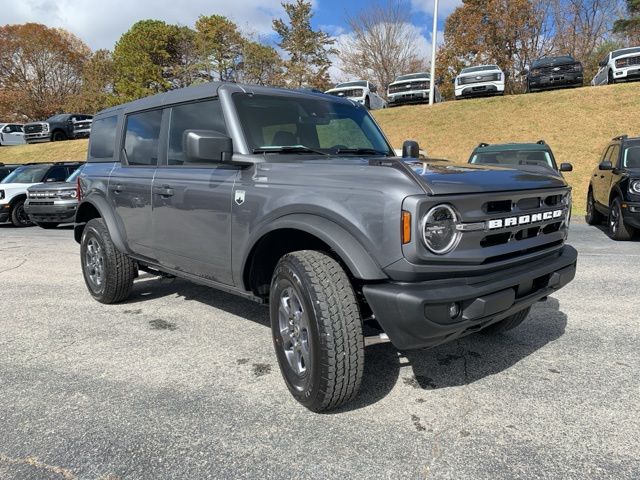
(634, 186)
(439, 230)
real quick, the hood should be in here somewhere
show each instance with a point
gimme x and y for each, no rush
(413, 80)
(344, 89)
(449, 179)
(553, 61)
(53, 186)
(12, 189)
(479, 74)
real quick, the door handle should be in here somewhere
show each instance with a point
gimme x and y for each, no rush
(117, 188)
(164, 191)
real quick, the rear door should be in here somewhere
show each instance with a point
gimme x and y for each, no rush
(602, 179)
(192, 202)
(131, 180)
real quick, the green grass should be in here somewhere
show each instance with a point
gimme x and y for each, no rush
(576, 123)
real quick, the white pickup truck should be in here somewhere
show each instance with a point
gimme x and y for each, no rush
(617, 66)
(361, 91)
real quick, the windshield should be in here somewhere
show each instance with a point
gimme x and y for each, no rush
(632, 157)
(359, 83)
(625, 51)
(57, 118)
(27, 174)
(412, 76)
(326, 127)
(479, 69)
(72, 178)
(552, 61)
(509, 158)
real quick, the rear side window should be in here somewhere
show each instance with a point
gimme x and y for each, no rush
(103, 137)
(193, 116)
(142, 138)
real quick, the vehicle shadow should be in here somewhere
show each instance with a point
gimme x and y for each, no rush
(461, 362)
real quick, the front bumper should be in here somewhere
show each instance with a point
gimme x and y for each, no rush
(5, 212)
(37, 137)
(415, 96)
(555, 81)
(416, 315)
(629, 73)
(631, 214)
(84, 133)
(479, 89)
(59, 212)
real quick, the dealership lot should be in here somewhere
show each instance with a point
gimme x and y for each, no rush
(182, 382)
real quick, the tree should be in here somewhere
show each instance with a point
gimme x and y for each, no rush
(40, 67)
(151, 58)
(261, 64)
(97, 84)
(630, 27)
(308, 50)
(220, 44)
(382, 45)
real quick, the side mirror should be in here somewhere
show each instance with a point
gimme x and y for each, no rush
(566, 167)
(410, 149)
(605, 165)
(207, 146)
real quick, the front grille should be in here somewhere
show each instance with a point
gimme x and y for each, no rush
(356, 92)
(35, 128)
(41, 203)
(556, 69)
(628, 62)
(487, 77)
(404, 87)
(82, 125)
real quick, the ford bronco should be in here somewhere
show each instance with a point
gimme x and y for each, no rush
(296, 200)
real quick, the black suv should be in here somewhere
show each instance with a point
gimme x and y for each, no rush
(614, 190)
(554, 72)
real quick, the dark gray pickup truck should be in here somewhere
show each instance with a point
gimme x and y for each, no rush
(297, 200)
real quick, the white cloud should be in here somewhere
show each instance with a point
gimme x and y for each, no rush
(100, 24)
(445, 7)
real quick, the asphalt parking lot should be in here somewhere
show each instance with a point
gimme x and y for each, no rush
(182, 382)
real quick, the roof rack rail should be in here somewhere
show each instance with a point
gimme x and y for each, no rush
(621, 137)
(482, 144)
(541, 142)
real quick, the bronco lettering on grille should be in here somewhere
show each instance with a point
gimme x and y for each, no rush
(523, 219)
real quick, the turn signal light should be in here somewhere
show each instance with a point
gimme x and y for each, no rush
(406, 227)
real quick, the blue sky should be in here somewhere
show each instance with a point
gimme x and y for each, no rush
(100, 24)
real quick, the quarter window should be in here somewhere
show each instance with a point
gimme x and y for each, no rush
(142, 138)
(193, 116)
(103, 137)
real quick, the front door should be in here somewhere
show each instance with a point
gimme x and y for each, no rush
(599, 178)
(130, 181)
(192, 201)
(12, 135)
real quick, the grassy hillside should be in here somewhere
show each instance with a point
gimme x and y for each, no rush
(577, 124)
(45, 152)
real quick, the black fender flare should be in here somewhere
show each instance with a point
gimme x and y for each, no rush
(106, 213)
(359, 262)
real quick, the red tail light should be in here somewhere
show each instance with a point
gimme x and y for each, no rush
(78, 189)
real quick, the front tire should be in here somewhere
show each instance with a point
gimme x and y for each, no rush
(610, 79)
(593, 216)
(617, 229)
(507, 324)
(19, 217)
(317, 330)
(367, 103)
(107, 272)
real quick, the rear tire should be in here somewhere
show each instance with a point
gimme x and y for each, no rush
(317, 330)
(47, 225)
(107, 272)
(19, 216)
(507, 324)
(617, 229)
(593, 216)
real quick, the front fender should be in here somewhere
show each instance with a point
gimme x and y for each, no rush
(357, 259)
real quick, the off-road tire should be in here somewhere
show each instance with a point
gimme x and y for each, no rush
(119, 269)
(19, 217)
(593, 216)
(47, 225)
(58, 136)
(619, 231)
(335, 336)
(507, 324)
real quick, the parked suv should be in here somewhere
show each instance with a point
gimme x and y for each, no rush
(6, 170)
(50, 204)
(59, 127)
(614, 189)
(296, 200)
(617, 66)
(13, 188)
(554, 72)
(480, 80)
(518, 155)
(361, 91)
(11, 134)
(411, 88)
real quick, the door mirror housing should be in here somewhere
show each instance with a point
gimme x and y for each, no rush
(605, 165)
(410, 149)
(566, 167)
(207, 146)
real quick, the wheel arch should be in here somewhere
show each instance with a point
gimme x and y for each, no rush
(97, 207)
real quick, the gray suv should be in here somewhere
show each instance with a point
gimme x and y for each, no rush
(296, 200)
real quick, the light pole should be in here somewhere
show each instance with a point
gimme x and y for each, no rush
(434, 36)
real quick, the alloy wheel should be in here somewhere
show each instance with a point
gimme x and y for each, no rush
(293, 324)
(94, 263)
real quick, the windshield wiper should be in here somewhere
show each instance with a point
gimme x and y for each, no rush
(362, 151)
(287, 149)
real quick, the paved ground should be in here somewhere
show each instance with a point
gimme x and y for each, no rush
(181, 382)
